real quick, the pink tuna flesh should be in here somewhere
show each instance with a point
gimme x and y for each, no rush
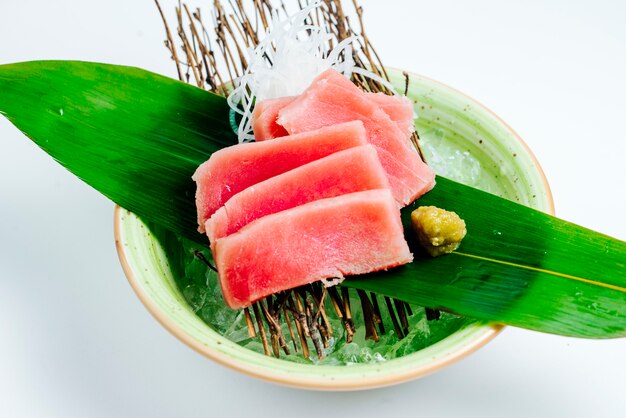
(398, 108)
(406, 187)
(233, 169)
(265, 114)
(264, 118)
(352, 170)
(333, 99)
(354, 233)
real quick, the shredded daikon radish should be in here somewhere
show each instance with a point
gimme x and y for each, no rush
(292, 53)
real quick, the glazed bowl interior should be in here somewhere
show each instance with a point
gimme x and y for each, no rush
(462, 140)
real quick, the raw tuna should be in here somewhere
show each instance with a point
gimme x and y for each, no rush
(352, 170)
(265, 114)
(354, 233)
(405, 187)
(398, 108)
(233, 169)
(264, 118)
(333, 99)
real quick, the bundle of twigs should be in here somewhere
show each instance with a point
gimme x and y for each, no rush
(211, 56)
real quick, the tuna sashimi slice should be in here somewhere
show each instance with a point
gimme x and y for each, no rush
(265, 114)
(352, 170)
(332, 99)
(354, 233)
(405, 185)
(264, 118)
(233, 169)
(398, 108)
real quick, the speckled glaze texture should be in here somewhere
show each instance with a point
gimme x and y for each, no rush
(447, 119)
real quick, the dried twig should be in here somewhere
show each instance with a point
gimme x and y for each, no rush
(301, 327)
(313, 325)
(290, 328)
(202, 258)
(402, 315)
(249, 323)
(169, 43)
(368, 316)
(261, 330)
(377, 313)
(338, 306)
(394, 319)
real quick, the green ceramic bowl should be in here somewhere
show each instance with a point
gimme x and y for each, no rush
(462, 138)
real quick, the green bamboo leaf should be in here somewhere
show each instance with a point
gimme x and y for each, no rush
(135, 136)
(516, 266)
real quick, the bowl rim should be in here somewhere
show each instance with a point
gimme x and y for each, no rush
(489, 331)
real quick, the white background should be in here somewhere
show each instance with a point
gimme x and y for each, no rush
(76, 342)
